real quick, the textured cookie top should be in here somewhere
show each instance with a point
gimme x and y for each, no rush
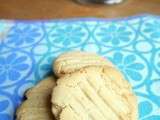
(72, 61)
(94, 93)
(37, 106)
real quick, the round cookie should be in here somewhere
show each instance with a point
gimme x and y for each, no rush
(94, 93)
(37, 106)
(72, 61)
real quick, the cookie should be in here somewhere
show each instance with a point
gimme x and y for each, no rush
(94, 93)
(72, 61)
(37, 106)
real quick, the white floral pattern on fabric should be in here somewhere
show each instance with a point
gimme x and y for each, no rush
(132, 44)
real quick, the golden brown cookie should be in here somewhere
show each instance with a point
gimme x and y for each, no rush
(37, 106)
(94, 93)
(72, 61)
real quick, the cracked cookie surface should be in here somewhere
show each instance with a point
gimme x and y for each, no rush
(94, 93)
(72, 61)
(37, 106)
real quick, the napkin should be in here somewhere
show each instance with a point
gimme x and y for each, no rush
(28, 48)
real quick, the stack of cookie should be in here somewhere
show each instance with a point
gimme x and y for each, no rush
(88, 88)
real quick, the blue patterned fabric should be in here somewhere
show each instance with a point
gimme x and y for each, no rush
(28, 48)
